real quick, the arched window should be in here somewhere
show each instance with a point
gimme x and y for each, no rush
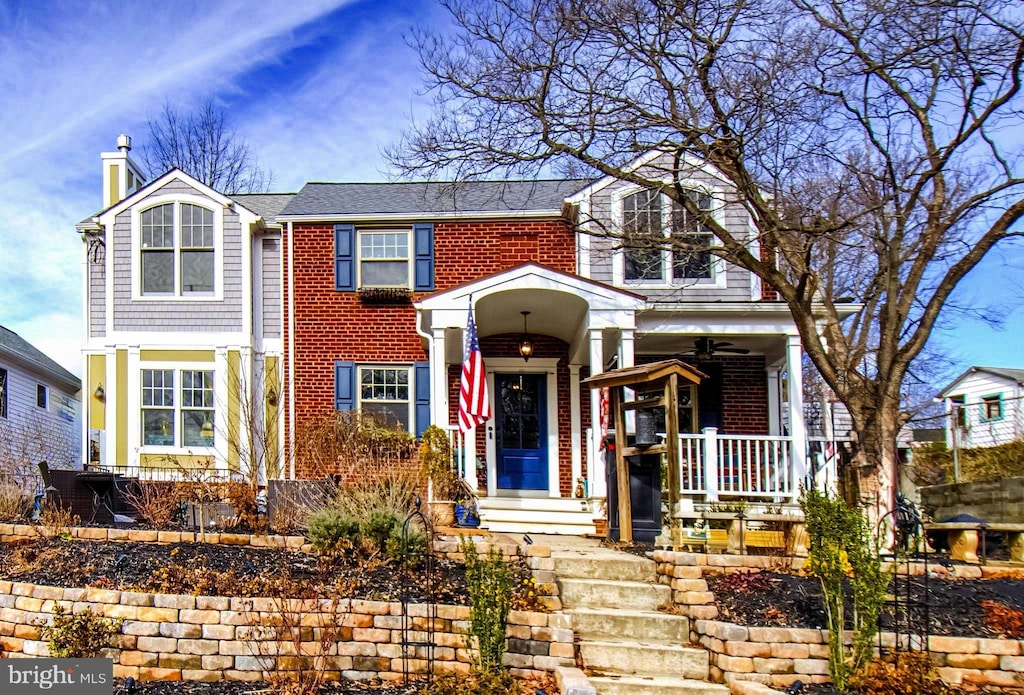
(662, 241)
(177, 244)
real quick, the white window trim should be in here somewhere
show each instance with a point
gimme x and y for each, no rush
(218, 248)
(46, 396)
(358, 255)
(718, 266)
(410, 402)
(220, 413)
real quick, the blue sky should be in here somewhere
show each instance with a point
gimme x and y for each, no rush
(317, 87)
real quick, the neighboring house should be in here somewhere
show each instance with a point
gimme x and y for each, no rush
(183, 320)
(349, 296)
(39, 409)
(985, 407)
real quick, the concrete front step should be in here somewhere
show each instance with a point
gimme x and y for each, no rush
(645, 658)
(605, 564)
(536, 515)
(652, 626)
(659, 685)
(603, 593)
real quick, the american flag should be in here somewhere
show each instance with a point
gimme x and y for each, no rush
(474, 406)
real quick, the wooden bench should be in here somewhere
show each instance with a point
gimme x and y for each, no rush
(737, 538)
(965, 536)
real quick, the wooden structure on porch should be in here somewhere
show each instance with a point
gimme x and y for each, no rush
(655, 385)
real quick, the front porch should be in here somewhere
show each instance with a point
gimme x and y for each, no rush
(539, 465)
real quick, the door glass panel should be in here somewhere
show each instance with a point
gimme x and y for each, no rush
(520, 424)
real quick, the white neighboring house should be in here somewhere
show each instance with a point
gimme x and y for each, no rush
(985, 406)
(40, 409)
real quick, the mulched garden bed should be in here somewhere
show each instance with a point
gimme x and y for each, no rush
(226, 570)
(771, 599)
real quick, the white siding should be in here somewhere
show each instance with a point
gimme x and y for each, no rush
(30, 434)
(978, 431)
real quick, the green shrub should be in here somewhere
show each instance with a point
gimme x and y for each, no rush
(415, 545)
(844, 557)
(330, 530)
(79, 635)
(489, 582)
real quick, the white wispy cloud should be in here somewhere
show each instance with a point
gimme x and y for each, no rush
(75, 75)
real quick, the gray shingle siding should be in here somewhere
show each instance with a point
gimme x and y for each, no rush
(272, 288)
(97, 268)
(157, 316)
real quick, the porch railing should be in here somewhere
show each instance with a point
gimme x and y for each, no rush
(758, 466)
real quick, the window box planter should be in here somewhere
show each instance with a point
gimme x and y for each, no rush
(385, 295)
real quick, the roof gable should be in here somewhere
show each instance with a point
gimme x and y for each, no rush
(25, 352)
(1014, 375)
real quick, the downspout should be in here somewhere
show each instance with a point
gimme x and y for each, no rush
(429, 337)
(291, 355)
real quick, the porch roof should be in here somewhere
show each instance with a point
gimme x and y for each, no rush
(644, 374)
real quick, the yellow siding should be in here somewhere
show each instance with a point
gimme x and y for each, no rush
(97, 378)
(176, 355)
(272, 383)
(121, 406)
(113, 189)
(234, 441)
(175, 461)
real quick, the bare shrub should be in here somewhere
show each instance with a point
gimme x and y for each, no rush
(14, 503)
(56, 520)
(155, 501)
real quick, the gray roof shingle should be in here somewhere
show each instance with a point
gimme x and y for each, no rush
(266, 205)
(430, 197)
(15, 345)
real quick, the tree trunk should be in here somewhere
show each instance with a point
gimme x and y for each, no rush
(871, 482)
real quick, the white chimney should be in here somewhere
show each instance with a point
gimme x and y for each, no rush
(121, 176)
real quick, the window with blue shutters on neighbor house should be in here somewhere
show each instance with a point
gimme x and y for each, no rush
(395, 395)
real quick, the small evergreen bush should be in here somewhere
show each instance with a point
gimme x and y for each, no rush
(331, 531)
(79, 635)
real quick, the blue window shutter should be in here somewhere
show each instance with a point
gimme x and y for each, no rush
(422, 397)
(424, 246)
(344, 385)
(344, 258)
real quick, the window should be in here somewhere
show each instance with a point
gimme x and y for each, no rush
(383, 258)
(384, 393)
(648, 223)
(694, 262)
(992, 407)
(42, 396)
(164, 407)
(3, 393)
(177, 249)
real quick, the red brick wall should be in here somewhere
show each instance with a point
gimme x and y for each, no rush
(744, 391)
(331, 326)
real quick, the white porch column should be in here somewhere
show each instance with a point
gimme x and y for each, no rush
(576, 423)
(774, 411)
(439, 380)
(797, 426)
(598, 484)
(626, 347)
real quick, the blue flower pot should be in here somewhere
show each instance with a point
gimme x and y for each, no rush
(465, 515)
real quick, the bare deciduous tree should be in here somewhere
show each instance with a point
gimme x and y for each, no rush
(203, 144)
(867, 140)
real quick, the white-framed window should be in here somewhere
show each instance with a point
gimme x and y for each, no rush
(384, 392)
(177, 249)
(650, 221)
(3, 393)
(384, 259)
(42, 396)
(177, 408)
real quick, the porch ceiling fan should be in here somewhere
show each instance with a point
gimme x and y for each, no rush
(706, 348)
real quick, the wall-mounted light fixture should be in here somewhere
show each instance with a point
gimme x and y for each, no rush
(99, 393)
(525, 344)
(271, 396)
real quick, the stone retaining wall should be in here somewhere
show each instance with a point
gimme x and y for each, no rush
(996, 501)
(174, 637)
(781, 656)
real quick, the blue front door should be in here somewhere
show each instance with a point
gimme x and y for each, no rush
(522, 447)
